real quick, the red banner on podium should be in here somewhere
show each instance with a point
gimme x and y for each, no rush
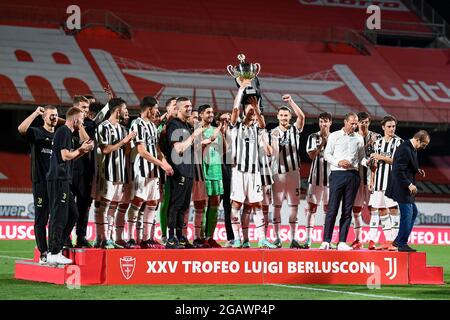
(253, 266)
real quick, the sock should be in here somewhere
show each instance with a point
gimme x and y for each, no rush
(277, 220)
(198, 217)
(266, 218)
(259, 224)
(293, 222)
(179, 233)
(357, 222)
(132, 218)
(120, 222)
(110, 218)
(395, 219)
(100, 221)
(245, 222)
(386, 225)
(149, 217)
(152, 230)
(211, 221)
(374, 219)
(185, 224)
(140, 224)
(163, 210)
(310, 221)
(171, 233)
(203, 226)
(235, 222)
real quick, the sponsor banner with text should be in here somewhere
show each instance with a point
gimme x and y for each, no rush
(254, 267)
(23, 230)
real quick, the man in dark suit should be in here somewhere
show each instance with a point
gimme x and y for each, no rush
(402, 185)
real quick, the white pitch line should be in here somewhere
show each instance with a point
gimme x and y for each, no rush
(11, 257)
(337, 291)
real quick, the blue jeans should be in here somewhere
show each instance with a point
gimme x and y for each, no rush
(408, 214)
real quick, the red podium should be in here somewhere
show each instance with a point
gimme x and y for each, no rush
(233, 266)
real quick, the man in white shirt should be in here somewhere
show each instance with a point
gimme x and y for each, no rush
(344, 152)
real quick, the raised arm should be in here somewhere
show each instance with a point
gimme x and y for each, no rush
(237, 101)
(300, 122)
(23, 127)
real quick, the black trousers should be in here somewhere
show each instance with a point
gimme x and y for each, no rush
(81, 189)
(180, 198)
(226, 202)
(63, 213)
(343, 187)
(41, 214)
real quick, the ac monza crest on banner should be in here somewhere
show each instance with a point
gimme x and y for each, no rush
(127, 265)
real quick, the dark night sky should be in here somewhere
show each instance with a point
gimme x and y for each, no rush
(442, 7)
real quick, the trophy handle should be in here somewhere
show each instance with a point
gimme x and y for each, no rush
(258, 67)
(230, 70)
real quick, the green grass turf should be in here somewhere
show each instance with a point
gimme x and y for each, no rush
(11, 289)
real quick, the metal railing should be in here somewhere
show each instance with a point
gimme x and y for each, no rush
(427, 13)
(58, 16)
(409, 29)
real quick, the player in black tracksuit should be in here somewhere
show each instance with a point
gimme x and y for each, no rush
(84, 173)
(63, 211)
(40, 139)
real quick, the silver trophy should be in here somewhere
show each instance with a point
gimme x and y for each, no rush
(246, 71)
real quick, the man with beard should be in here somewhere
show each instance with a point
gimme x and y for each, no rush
(40, 139)
(113, 140)
(63, 212)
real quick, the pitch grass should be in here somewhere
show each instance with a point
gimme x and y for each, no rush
(11, 289)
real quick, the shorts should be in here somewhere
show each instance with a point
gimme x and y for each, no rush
(379, 200)
(146, 189)
(317, 194)
(286, 185)
(246, 187)
(199, 191)
(109, 190)
(214, 187)
(362, 197)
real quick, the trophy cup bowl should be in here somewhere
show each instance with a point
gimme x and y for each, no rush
(244, 70)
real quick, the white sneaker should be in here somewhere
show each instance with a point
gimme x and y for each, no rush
(324, 246)
(342, 246)
(57, 259)
(43, 258)
(229, 244)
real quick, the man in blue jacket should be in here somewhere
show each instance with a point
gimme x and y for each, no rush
(402, 185)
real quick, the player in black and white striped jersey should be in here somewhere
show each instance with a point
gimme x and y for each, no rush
(383, 155)
(285, 142)
(246, 178)
(266, 185)
(146, 158)
(363, 195)
(318, 181)
(112, 139)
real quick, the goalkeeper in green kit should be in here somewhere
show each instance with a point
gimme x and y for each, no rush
(212, 147)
